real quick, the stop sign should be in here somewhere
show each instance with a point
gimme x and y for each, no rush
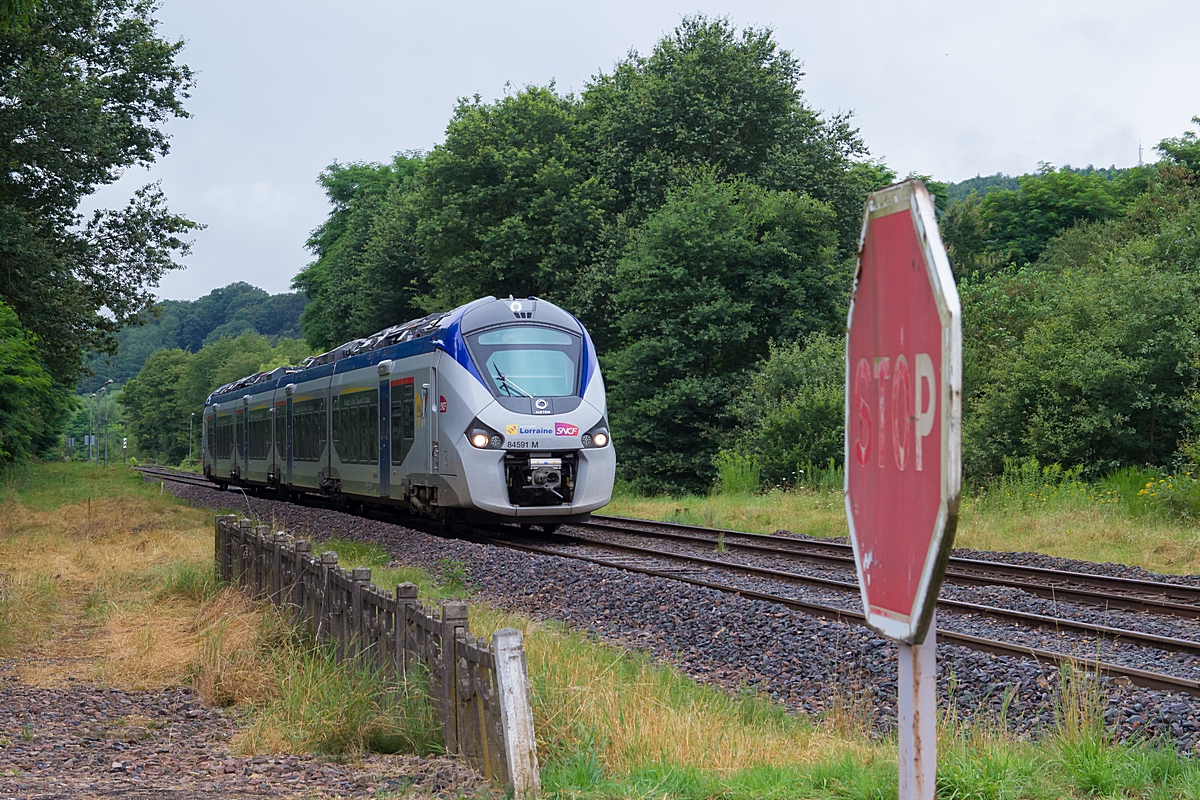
(903, 411)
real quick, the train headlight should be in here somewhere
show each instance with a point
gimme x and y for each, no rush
(484, 437)
(600, 438)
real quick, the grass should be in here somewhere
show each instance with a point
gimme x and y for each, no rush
(1137, 516)
(133, 578)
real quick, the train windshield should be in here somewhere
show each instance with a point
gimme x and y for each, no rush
(528, 360)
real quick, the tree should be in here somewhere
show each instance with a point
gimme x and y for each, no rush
(1019, 225)
(343, 299)
(706, 282)
(31, 406)
(509, 204)
(89, 84)
(154, 407)
(173, 384)
(1184, 150)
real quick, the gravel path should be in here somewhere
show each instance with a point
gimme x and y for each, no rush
(89, 741)
(809, 664)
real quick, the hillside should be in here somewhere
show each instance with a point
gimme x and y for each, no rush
(190, 324)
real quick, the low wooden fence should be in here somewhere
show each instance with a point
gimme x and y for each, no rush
(481, 691)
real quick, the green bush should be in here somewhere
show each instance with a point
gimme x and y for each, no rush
(791, 415)
(737, 474)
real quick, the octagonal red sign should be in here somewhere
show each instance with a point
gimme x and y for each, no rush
(903, 411)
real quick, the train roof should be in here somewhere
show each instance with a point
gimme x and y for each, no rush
(485, 312)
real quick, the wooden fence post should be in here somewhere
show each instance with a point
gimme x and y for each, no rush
(300, 553)
(243, 543)
(516, 715)
(406, 598)
(329, 560)
(454, 619)
(262, 564)
(359, 578)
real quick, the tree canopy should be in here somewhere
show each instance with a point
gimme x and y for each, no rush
(89, 84)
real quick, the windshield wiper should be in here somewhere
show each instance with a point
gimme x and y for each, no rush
(508, 385)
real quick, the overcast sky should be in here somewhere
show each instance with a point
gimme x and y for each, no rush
(951, 89)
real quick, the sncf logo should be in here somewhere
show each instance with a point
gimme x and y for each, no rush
(563, 429)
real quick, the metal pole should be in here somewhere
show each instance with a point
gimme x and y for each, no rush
(917, 690)
(91, 427)
(107, 402)
(191, 423)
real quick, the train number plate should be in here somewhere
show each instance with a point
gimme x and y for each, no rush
(522, 445)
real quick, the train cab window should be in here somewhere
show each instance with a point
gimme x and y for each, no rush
(528, 360)
(404, 421)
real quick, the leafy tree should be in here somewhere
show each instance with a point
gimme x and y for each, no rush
(174, 384)
(31, 406)
(509, 204)
(1184, 150)
(88, 84)
(334, 282)
(154, 407)
(709, 96)
(706, 282)
(791, 412)
(1019, 224)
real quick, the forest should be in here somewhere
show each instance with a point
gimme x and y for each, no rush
(701, 218)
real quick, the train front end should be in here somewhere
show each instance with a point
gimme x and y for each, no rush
(532, 440)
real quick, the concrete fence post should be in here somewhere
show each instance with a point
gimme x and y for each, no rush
(516, 712)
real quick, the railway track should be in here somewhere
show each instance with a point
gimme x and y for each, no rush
(1078, 587)
(697, 570)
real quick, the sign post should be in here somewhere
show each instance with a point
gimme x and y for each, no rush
(904, 448)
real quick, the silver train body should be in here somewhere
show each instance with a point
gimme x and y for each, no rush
(494, 411)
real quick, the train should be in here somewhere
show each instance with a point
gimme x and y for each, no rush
(492, 412)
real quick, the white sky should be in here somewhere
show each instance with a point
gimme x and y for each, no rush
(951, 89)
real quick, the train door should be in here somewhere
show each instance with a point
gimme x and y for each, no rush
(239, 439)
(288, 434)
(431, 408)
(385, 441)
(403, 425)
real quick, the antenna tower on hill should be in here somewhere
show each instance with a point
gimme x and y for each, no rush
(1139, 152)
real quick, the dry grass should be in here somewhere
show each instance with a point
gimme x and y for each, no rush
(631, 711)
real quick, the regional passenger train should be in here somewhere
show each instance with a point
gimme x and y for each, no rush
(494, 411)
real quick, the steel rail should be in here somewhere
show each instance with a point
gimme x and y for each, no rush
(1097, 589)
(1023, 617)
(1140, 677)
